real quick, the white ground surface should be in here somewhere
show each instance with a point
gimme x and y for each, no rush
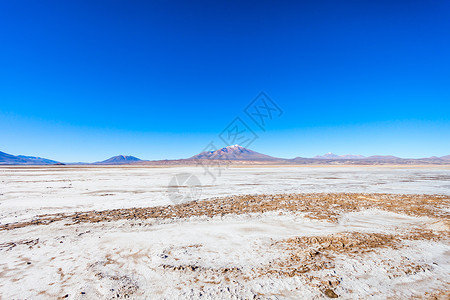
(116, 259)
(26, 192)
(110, 260)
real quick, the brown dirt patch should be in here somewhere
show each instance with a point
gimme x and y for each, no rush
(323, 206)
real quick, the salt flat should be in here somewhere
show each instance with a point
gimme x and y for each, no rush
(217, 258)
(340, 240)
(29, 191)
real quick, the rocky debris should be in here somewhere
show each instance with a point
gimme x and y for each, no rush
(438, 295)
(193, 268)
(11, 245)
(322, 206)
(312, 261)
(310, 254)
(330, 293)
(126, 286)
(349, 242)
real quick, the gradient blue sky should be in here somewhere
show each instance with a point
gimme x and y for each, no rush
(86, 80)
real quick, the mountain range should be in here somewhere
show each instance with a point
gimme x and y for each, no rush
(118, 160)
(330, 155)
(9, 159)
(234, 152)
(238, 155)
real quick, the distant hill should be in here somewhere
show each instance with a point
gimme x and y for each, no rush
(39, 160)
(234, 152)
(9, 159)
(119, 160)
(383, 157)
(239, 155)
(330, 155)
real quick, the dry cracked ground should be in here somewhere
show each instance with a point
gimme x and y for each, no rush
(286, 246)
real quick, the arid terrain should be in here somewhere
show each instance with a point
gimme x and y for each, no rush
(224, 150)
(255, 233)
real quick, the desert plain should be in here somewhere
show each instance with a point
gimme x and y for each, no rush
(264, 232)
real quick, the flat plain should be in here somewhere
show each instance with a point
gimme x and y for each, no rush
(278, 232)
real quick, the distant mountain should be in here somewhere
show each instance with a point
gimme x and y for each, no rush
(239, 155)
(234, 152)
(383, 157)
(330, 155)
(9, 159)
(39, 160)
(119, 160)
(352, 156)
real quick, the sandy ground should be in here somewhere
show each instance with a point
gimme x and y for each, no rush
(284, 246)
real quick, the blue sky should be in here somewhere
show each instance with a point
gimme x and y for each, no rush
(86, 80)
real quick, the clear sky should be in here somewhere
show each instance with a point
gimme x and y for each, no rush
(86, 80)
